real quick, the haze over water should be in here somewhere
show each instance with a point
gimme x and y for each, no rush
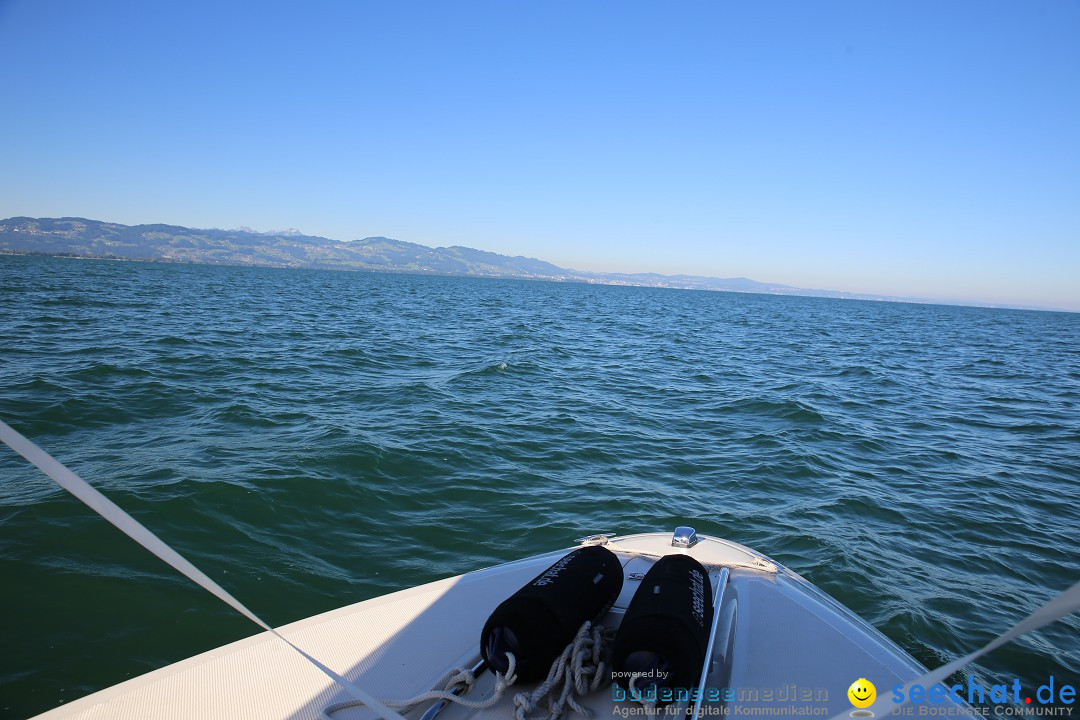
(315, 438)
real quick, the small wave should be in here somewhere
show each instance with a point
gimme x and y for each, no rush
(243, 414)
(778, 409)
(109, 371)
(175, 341)
(495, 368)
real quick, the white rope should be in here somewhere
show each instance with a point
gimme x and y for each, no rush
(132, 528)
(579, 671)
(455, 684)
(651, 707)
(1065, 603)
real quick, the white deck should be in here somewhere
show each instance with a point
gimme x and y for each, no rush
(782, 636)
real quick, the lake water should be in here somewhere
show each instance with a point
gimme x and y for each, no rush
(315, 438)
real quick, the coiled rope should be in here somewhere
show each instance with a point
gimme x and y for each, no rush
(455, 684)
(578, 671)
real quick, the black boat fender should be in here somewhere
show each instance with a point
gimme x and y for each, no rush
(664, 634)
(538, 621)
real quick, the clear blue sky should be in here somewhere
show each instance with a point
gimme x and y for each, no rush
(909, 148)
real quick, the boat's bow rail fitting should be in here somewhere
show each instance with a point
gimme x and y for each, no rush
(598, 539)
(684, 537)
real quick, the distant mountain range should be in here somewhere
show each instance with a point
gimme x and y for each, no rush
(80, 237)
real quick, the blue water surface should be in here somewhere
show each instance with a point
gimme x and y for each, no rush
(315, 438)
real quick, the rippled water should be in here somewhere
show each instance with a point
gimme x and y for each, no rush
(315, 438)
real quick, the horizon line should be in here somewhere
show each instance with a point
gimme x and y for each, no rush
(597, 279)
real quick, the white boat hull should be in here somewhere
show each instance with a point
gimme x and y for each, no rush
(780, 644)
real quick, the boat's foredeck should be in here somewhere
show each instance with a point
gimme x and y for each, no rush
(780, 643)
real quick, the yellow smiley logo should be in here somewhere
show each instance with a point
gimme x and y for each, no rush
(862, 693)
